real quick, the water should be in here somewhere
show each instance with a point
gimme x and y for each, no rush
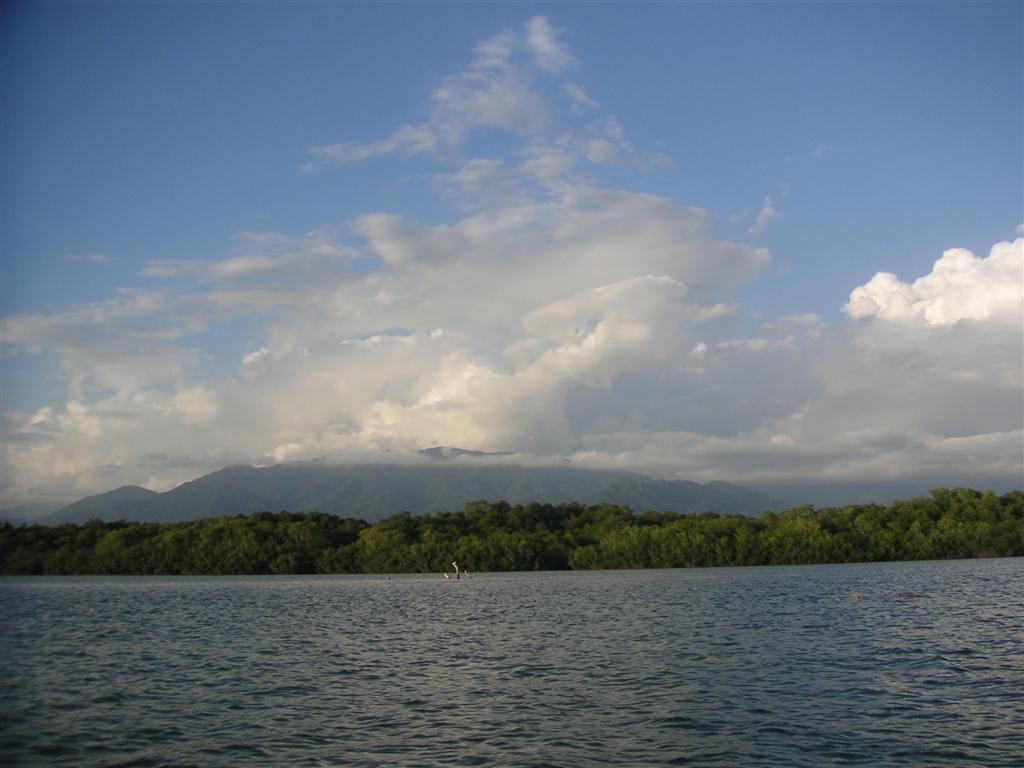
(716, 667)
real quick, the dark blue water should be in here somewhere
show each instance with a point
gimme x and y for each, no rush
(716, 667)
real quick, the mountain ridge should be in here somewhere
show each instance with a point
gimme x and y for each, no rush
(372, 492)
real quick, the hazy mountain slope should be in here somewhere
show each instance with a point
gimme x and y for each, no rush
(839, 494)
(101, 506)
(644, 494)
(26, 514)
(374, 491)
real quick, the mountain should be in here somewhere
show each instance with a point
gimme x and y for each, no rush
(444, 452)
(26, 514)
(374, 491)
(98, 506)
(838, 494)
(643, 493)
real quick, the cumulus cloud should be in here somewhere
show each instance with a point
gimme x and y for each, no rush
(960, 287)
(605, 362)
(853, 402)
(476, 333)
(555, 330)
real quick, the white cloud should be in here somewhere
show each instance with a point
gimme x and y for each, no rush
(579, 96)
(551, 54)
(496, 90)
(480, 181)
(546, 162)
(853, 402)
(399, 241)
(409, 139)
(765, 216)
(263, 256)
(585, 328)
(459, 337)
(484, 97)
(511, 84)
(197, 405)
(960, 287)
(553, 318)
(600, 151)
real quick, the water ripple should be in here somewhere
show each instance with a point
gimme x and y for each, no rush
(717, 667)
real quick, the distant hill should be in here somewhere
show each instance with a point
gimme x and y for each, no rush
(99, 506)
(372, 492)
(24, 514)
(837, 494)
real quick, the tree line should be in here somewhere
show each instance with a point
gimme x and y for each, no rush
(496, 536)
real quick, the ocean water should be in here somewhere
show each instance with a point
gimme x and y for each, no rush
(715, 667)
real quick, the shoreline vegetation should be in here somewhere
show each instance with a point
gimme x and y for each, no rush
(496, 536)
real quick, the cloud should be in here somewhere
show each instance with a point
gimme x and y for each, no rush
(600, 151)
(512, 84)
(551, 317)
(497, 265)
(117, 346)
(546, 162)
(960, 287)
(120, 344)
(496, 90)
(265, 258)
(550, 53)
(822, 150)
(867, 456)
(550, 163)
(409, 139)
(593, 327)
(764, 217)
(36, 331)
(94, 258)
(399, 241)
(483, 182)
(475, 333)
(853, 402)
(579, 96)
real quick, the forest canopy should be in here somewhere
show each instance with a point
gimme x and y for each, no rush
(496, 536)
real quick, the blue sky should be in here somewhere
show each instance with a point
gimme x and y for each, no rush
(190, 187)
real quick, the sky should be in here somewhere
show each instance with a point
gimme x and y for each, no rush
(755, 242)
